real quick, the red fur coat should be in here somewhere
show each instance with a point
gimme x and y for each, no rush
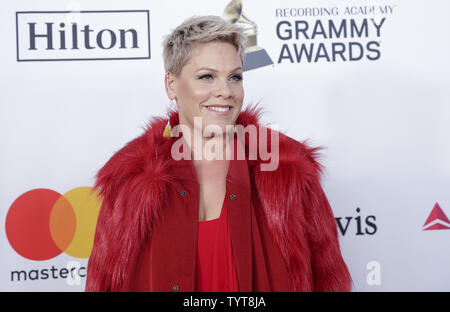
(283, 231)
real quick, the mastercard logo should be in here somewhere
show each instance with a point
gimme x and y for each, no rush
(42, 223)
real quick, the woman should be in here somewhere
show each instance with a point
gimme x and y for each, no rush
(173, 218)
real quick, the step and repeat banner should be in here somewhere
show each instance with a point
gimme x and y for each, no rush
(367, 80)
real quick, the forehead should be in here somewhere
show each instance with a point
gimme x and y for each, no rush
(216, 54)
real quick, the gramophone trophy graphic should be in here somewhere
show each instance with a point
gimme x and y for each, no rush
(255, 56)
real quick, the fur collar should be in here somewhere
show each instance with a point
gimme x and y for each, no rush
(137, 177)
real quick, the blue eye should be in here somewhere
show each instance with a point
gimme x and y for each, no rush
(236, 77)
(207, 77)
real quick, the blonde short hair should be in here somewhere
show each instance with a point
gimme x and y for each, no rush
(178, 45)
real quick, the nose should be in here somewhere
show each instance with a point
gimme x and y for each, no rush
(223, 89)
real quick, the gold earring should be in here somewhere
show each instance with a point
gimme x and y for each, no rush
(167, 130)
(234, 128)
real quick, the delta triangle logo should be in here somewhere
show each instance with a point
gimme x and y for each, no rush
(437, 220)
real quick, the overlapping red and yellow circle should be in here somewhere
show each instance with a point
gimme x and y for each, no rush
(42, 223)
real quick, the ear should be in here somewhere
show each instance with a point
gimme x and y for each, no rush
(169, 82)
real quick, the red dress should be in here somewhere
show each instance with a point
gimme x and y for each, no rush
(216, 269)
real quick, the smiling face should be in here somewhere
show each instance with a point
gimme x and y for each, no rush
(209, 86)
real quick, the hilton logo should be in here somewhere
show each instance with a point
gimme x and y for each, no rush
(82, 35)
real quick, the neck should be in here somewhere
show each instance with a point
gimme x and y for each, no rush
(205, 149)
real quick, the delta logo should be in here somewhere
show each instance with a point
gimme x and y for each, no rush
(437, 220)
(42, 223)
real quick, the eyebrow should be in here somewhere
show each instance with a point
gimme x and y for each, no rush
(215, 70)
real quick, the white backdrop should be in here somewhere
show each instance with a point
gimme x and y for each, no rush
(384, 123)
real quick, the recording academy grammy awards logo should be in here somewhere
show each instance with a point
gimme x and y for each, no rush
(313, 34)
(437, 220)
(255, 56)
(338, 32)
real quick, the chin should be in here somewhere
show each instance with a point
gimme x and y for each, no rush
(211, 127)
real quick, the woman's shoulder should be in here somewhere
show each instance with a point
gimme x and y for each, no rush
(135, 158)
(290, 151)
(301, 151)
(296, 154)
